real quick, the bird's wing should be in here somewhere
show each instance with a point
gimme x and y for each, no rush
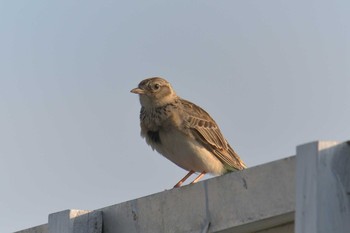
(206, 131)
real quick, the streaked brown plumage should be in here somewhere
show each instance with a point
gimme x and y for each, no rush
(183, 132)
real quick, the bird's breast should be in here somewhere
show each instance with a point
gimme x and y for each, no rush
(184, 150)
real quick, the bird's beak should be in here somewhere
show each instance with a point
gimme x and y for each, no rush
(138, 91)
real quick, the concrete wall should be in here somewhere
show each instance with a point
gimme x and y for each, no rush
(263, 195)
(260, 199)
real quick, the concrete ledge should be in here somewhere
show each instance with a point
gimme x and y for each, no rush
(263, 199)
(245, 201)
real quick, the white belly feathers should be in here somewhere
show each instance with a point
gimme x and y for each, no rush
(186, 152)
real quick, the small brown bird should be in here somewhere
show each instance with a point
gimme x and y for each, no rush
(183, 132)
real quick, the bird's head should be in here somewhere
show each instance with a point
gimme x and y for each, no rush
(155, 92)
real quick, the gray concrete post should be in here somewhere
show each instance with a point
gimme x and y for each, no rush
(75, 221)
(323, 188)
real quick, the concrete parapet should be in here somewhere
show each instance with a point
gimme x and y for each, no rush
(311, 190)
(263, 195)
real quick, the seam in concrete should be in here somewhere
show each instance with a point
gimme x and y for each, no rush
(207, 212)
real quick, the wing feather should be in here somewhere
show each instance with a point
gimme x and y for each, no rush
(206, 131)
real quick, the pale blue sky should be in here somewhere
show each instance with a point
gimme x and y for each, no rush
(273, 74)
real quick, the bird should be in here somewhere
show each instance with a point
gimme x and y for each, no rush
(183, 132)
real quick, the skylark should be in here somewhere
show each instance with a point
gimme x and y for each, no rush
(183, 132)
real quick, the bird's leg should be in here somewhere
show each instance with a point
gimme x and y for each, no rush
(198, 177)
(183, 179)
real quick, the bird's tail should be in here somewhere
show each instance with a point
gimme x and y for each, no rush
(239, 165)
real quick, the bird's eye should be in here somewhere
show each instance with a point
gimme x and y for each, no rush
(156, 86)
